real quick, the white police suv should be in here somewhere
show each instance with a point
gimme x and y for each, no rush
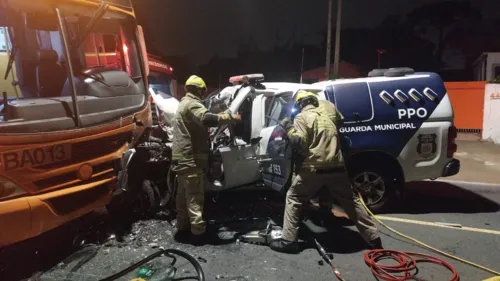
(398, 128)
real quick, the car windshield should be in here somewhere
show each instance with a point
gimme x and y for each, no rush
(104, 56)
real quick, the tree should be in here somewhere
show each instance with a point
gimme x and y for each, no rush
(475, 38)
(404, 48)
(441, 18)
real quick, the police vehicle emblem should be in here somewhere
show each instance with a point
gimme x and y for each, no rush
(426, 145)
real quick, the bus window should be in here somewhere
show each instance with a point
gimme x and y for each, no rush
(103, 50)
(3, 43)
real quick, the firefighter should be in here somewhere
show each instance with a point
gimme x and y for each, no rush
(190, 151)
(314, 137)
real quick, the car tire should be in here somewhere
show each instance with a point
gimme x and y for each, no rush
(377, 186)
(115, 207)
(151, 197)
(172, 184)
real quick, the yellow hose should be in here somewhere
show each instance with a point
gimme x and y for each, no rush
(427, 246)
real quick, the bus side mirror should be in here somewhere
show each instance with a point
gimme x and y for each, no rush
(144, 52)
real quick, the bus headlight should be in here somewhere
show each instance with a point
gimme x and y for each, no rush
(9, 189)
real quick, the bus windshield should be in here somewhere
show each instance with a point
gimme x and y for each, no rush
(96, 46)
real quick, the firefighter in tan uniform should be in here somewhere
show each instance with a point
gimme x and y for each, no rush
(190, 151)
(314, 136)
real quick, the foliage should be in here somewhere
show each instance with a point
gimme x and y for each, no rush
(451, 21)
(417, 40)
(495, 80)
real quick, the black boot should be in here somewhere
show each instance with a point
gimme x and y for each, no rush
(285, 246)
(376, 244)
(199, 239)
(182, 236)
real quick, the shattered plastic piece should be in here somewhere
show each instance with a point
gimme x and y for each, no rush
(202, 259)
(321, 263)
(276, 234)
(145, 272)
(153, 245)
(219, 276)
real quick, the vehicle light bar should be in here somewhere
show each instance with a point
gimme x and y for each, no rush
(247, 78)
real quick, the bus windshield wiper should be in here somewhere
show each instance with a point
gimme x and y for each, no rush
(92, 23)
(13, 52)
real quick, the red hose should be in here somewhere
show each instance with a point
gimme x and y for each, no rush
(407, 267)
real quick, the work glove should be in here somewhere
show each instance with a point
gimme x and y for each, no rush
(287, 124)
(236, 117)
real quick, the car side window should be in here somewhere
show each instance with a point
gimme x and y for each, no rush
(279, 109)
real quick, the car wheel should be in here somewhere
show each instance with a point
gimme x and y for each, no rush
(151, 197)
(377, 187)
(172, 183)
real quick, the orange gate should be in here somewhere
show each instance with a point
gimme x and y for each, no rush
(467, 99)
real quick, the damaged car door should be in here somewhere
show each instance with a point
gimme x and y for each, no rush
(275, 151)
(234, 160)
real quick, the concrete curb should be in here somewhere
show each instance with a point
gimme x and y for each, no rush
(475, 186)
(468, 182)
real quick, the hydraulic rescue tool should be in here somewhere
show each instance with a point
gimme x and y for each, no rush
(328, 259)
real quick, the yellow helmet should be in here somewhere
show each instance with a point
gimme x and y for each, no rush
(195, 81)
(303, 95)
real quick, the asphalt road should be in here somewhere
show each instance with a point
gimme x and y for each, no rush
(475, 207)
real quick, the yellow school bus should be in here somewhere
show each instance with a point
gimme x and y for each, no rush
(65, 121)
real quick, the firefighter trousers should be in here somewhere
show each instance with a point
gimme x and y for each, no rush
(306, 184)
(190, 201)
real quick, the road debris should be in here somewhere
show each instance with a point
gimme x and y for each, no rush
(153, 245)
(457, 225)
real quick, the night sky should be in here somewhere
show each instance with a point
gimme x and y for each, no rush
(201, 28)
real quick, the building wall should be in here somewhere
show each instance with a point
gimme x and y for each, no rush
(467, 99)
(491, 127)
(493, 61)
(484, 70)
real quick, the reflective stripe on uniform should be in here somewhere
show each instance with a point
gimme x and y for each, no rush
(195, 156)
(310, 164)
